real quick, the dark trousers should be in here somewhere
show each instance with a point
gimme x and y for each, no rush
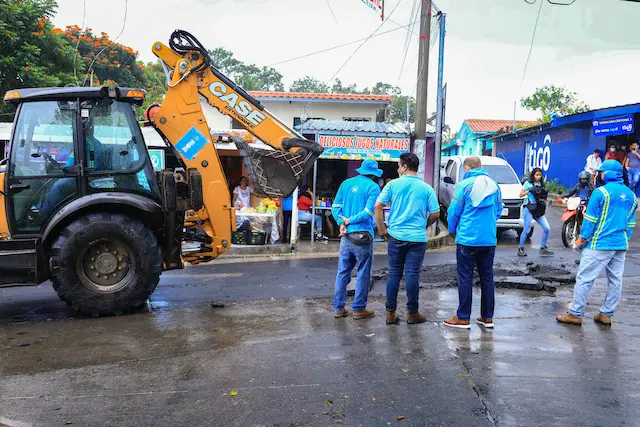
(286, 221)
(407, 257)
(481, 257)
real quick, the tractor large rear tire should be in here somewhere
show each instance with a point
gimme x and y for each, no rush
(105, 264)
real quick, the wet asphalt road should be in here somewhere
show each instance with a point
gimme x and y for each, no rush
(293, 364)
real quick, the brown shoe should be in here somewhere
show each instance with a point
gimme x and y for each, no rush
(340, 314)
(569, 319)
(413, 318)
(487, 323)
(392, 318)
(364, 314)
(602, 319)
(454, 322)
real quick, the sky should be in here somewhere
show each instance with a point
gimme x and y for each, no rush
(591, 47)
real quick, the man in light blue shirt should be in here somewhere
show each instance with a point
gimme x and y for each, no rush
(353, 211)
(414, 207)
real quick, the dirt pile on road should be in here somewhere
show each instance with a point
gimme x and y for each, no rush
(513, 275)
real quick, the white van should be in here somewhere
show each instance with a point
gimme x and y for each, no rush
(452, 172)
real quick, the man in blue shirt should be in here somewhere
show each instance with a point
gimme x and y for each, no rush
(353, 211)
(414, 207)
(472, 216)
(287, 209)
(605, 235)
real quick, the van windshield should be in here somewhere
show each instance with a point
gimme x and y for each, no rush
(501, 174)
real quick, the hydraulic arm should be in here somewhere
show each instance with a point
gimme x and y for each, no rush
(180, 120)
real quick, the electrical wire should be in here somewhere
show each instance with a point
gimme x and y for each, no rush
(533, 37)
(407, 39)
(75, 55)
(363, 43)
(402, 69)
(124, 23)
(332, 14)
(317, 52)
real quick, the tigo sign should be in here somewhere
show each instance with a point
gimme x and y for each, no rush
(540, 157)
(613, 125)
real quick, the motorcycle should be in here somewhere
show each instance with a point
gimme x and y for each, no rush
(572, 219)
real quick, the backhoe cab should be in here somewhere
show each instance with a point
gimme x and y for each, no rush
(80, 203)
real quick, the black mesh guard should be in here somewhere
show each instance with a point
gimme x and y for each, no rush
(275, 173)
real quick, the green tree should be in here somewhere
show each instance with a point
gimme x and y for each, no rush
(310, 85)
(32, 52)
(399, 108)
(250, 77)
(552, 99)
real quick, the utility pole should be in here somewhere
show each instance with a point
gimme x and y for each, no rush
(423, 78)
(440, 107)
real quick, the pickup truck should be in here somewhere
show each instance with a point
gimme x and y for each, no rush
(452, 172)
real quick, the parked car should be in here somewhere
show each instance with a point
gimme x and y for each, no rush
(452, 172)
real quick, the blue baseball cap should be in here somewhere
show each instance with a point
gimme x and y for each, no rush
(610, 165)
(369, 167)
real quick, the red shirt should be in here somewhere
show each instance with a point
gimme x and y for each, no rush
(619, 155)
(304, 203)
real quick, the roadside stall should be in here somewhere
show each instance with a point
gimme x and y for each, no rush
(346, 144)
(263, 214)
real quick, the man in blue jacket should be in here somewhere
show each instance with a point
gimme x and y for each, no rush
(472, 217)
(353, 211)
(606, 231)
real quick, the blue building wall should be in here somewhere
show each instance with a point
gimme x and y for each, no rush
(469, 143)
(560, 152)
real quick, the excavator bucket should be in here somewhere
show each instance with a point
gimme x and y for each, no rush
(277, 173)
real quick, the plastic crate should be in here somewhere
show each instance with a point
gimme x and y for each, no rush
(239, 237)
(256, 237)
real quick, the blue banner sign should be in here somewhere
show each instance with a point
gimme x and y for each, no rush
(613, 125)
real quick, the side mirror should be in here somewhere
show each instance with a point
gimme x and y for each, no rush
(448, 180)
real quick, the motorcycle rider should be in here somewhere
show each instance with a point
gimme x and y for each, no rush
(583, 188)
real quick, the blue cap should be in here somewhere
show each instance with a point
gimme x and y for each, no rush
(369, 167)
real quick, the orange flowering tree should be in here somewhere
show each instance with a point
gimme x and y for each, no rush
(32, 52)
(107, 59)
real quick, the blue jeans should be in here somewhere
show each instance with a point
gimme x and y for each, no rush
(528, 219)
(634, 177)
(407, 257)
(307, 216)
(591, 265)
(350, 253)
(467, 258)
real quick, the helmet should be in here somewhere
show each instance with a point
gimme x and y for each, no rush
(584, 175)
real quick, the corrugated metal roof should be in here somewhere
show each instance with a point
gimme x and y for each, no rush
(384, 99)
(352, 126)
(490, 126)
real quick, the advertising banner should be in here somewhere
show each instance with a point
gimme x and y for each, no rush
(375, 5)
(613, 125)
(361, 147)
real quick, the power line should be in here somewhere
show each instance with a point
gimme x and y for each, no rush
(332, 14)
(407, 39)
(363, 43)
(533, 37)
(338, 46)
(124, 23)
(402, 69)
(75, 55)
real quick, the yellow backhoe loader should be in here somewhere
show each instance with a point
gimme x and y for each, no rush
(81, 205)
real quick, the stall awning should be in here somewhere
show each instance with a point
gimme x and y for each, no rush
(347, 127)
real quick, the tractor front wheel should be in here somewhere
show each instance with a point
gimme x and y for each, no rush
(105, 264)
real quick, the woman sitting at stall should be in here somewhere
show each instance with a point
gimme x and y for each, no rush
(305, 202)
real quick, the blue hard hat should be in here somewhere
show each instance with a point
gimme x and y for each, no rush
(369, 167)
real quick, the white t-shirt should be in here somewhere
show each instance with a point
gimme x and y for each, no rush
(244, 195)
(592, 163)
